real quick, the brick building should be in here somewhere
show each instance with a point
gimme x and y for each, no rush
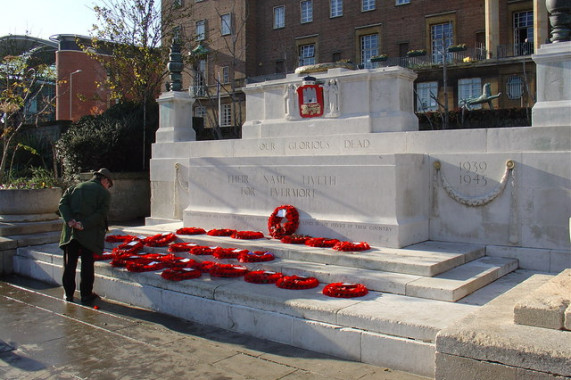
(242, 41)
(77, 90)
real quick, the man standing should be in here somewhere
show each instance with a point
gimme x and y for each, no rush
(84, 209)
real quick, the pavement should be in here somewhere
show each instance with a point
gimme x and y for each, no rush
(44, 337)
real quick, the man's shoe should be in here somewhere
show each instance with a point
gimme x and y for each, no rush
(89, 299)
(68, 299)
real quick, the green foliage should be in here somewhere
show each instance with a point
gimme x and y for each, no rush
(113, 140)
(32, 178)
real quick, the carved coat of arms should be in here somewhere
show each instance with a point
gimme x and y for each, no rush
(310, 96)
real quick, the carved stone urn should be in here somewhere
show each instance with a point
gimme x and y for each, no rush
(560, 19)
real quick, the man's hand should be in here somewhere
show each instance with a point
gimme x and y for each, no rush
(75, 224)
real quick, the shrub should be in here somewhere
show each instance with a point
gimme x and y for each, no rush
(113, 140)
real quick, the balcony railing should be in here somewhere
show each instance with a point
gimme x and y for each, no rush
(517, 50)
(453, 58)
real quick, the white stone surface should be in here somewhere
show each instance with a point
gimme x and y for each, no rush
(553, 70)
(389, 210)
(363, 99)
(174, 123)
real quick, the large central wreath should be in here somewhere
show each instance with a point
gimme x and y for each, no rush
(278, 229)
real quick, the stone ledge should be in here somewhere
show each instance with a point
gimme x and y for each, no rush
(546, 306)
(490, 335)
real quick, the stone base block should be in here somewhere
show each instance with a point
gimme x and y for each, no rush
(546, 306)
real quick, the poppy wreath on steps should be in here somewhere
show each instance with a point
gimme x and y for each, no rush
(262, 277)
(228, 270)
(321, 242)
(179, 274)
(130, 247)
(221, 232)
(190, 231)
(202, 250)
(247, 235)
(295, 239)
(278, 229)
(119, 238)
(121, 260)
(204, 266)
(227, 253)
(297, 282)
(145, 265)
(159, 240)
(103, 256)
(181, 247)
(255, 256)
(351, 246)
(345, 290)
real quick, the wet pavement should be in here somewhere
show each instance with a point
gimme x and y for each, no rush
(44, 337)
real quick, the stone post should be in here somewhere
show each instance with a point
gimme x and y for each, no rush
(553, 106)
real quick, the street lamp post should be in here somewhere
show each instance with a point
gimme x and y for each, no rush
(71, 92)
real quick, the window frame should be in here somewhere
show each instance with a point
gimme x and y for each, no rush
(275, 21)
(306, 15)
(365, 54)
(226, 24)
(309, 59)
(337, 7)
(475, 86)
(447, 41)
(226, 117)
(426, 89)
(402, 2)
(510, 86)
(225, 74)
(368, 5)
(200, 24)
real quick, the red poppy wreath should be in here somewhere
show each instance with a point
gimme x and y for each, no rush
(344, 290)
(278, 229)
(297, 282)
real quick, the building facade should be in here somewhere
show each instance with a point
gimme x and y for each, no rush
(456, 48)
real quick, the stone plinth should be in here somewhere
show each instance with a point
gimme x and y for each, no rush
(354, 101)
(29, 205)
(175, 122)
(553, 106)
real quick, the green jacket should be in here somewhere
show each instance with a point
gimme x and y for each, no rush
(88, 203)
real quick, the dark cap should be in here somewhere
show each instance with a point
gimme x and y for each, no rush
(105, 173)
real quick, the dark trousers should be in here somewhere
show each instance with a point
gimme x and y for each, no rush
(71, 253)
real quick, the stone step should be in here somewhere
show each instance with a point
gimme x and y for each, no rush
(424, 259)
(29, 228)
(379, 328)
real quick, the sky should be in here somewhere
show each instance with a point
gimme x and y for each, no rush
(44, 18)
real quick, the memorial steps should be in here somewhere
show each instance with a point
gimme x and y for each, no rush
(412, 294)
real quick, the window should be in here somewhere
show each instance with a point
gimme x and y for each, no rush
(279, 17)
(201, 30)
(401, 2)
(469, 88)
(514, 87)
(369, 48)
(426, 95)
(226, 74)
(226, 24)
(368, 5)
(336, 57)
(307, 55)
(441, 37)
(335, 8)
(523, 33)
(226, 115)
(200, 111)
(306, 11)
(200, 79)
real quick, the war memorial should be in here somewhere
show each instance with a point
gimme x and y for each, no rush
(469, 267)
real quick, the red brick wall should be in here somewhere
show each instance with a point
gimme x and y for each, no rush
(87, 97)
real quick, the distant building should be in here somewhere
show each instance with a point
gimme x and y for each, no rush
(244, 41)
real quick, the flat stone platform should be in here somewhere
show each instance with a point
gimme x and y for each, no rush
(395, 325)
